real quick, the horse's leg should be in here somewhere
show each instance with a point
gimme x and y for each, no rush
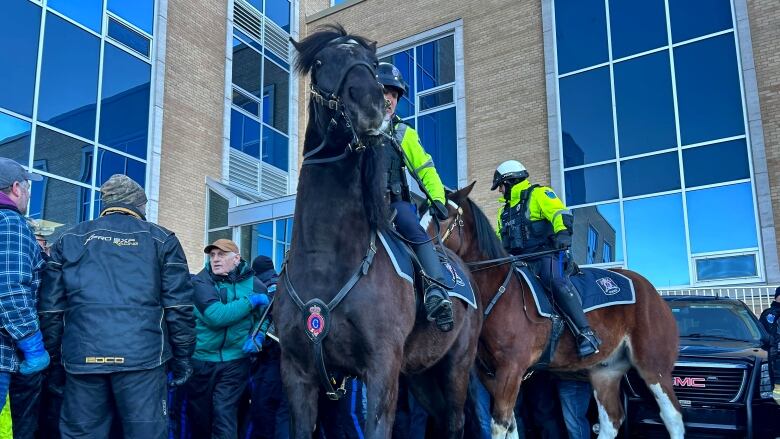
(382, 393)
(656, 372)
(606, 389)
(303, 389)
(504, 388)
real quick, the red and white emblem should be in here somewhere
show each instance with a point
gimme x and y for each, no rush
(316, 322)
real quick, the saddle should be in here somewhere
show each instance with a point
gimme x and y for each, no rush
(408, 268)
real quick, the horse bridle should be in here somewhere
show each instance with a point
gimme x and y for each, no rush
(457, 222)
(332, 102)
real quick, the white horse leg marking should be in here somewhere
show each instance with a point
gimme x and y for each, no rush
(497, 431)
(606, 427)
(513, 433)
(669, 414)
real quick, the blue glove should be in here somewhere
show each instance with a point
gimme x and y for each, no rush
(253, 346)
(35, 356)
(258, 300)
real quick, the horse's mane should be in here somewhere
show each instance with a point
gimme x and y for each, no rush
(309, 47)
(487, 241)
(373, 176)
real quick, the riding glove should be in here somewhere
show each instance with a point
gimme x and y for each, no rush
(253, 346)
(35, 356)
(258, 300)
(563, 240)
(182, 371)
(440, 210)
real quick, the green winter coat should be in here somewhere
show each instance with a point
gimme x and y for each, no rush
(223, 313)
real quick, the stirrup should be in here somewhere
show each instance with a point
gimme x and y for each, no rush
(587, 343)
(433, 307)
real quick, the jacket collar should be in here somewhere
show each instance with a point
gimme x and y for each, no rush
(775, 304)
(515, 192)
(7, 203)
(122, 209)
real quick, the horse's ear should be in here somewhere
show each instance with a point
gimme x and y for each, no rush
(462, 194)
(295, 44)
(373, 46)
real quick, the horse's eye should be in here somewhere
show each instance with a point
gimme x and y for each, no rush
(317, 63)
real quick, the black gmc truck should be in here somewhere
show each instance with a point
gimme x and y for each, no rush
(721, 377)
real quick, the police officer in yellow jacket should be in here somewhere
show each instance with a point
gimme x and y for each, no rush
(438, 305)
(533, 219)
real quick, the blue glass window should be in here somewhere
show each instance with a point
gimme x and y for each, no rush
(636, 26)
(243, 101)
(137, 12)
(283, 239)
(694, 18)
(128, 37)
(436, 99)
(276, 96)
(59, 202)
(247, 65)
(279, 12)
(20, 23)
(721, 218)
(438, 136)
(716, 163)
(729, 267)
(251, 41)
(580, 33)
(244, 134)
(275, 148)
(604, 219)
(655, 173)
(586, 118)
(593, 239)
(63, 155)
(258, 4)
(708, 94)
(404, 61)
(87, 12)
(110, 163)
(655, 239)
(124, 111)
(435, 63)
(589, 185)
(14, 138)
(67, 97)
(645, 105)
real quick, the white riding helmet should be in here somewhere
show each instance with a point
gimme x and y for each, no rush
(509, 170)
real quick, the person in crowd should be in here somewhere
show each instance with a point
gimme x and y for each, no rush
(402, 150)
(537, 411)
(21, 263)
(574, 393)
(269, 415)
(123, 286)
(770, 318)
(29, 394)
(226, 310)
(532, 219)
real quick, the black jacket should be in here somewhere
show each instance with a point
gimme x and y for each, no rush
(117, 295)
(772, 324)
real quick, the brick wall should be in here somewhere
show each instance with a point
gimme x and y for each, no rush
(193, 117)
(763, 17)
(506, 114)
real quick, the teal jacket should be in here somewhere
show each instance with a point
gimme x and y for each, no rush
(223, 313)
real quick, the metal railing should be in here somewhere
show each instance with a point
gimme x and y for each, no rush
(757, 298)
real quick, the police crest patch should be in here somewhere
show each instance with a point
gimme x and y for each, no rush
(770, 318)
(608, 286)
(316, 322)
(550, 194)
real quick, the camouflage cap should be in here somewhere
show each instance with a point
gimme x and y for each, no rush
(122, 189)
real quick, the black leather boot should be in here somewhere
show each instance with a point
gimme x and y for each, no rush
(568, 300)
(438, 306)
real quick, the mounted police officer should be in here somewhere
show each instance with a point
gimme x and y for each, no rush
(413, 157)
(533, 219)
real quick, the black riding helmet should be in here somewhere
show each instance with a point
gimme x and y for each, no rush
(389, 76)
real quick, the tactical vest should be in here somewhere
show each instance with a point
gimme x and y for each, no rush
(518, 233)
(396, 181)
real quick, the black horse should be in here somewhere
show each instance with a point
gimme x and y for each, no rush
(338, 281)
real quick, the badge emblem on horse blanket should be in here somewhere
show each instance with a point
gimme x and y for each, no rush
(608, 286)
(315, 323)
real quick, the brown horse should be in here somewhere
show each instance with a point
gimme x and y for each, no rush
(642, 335)
(339, 281)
